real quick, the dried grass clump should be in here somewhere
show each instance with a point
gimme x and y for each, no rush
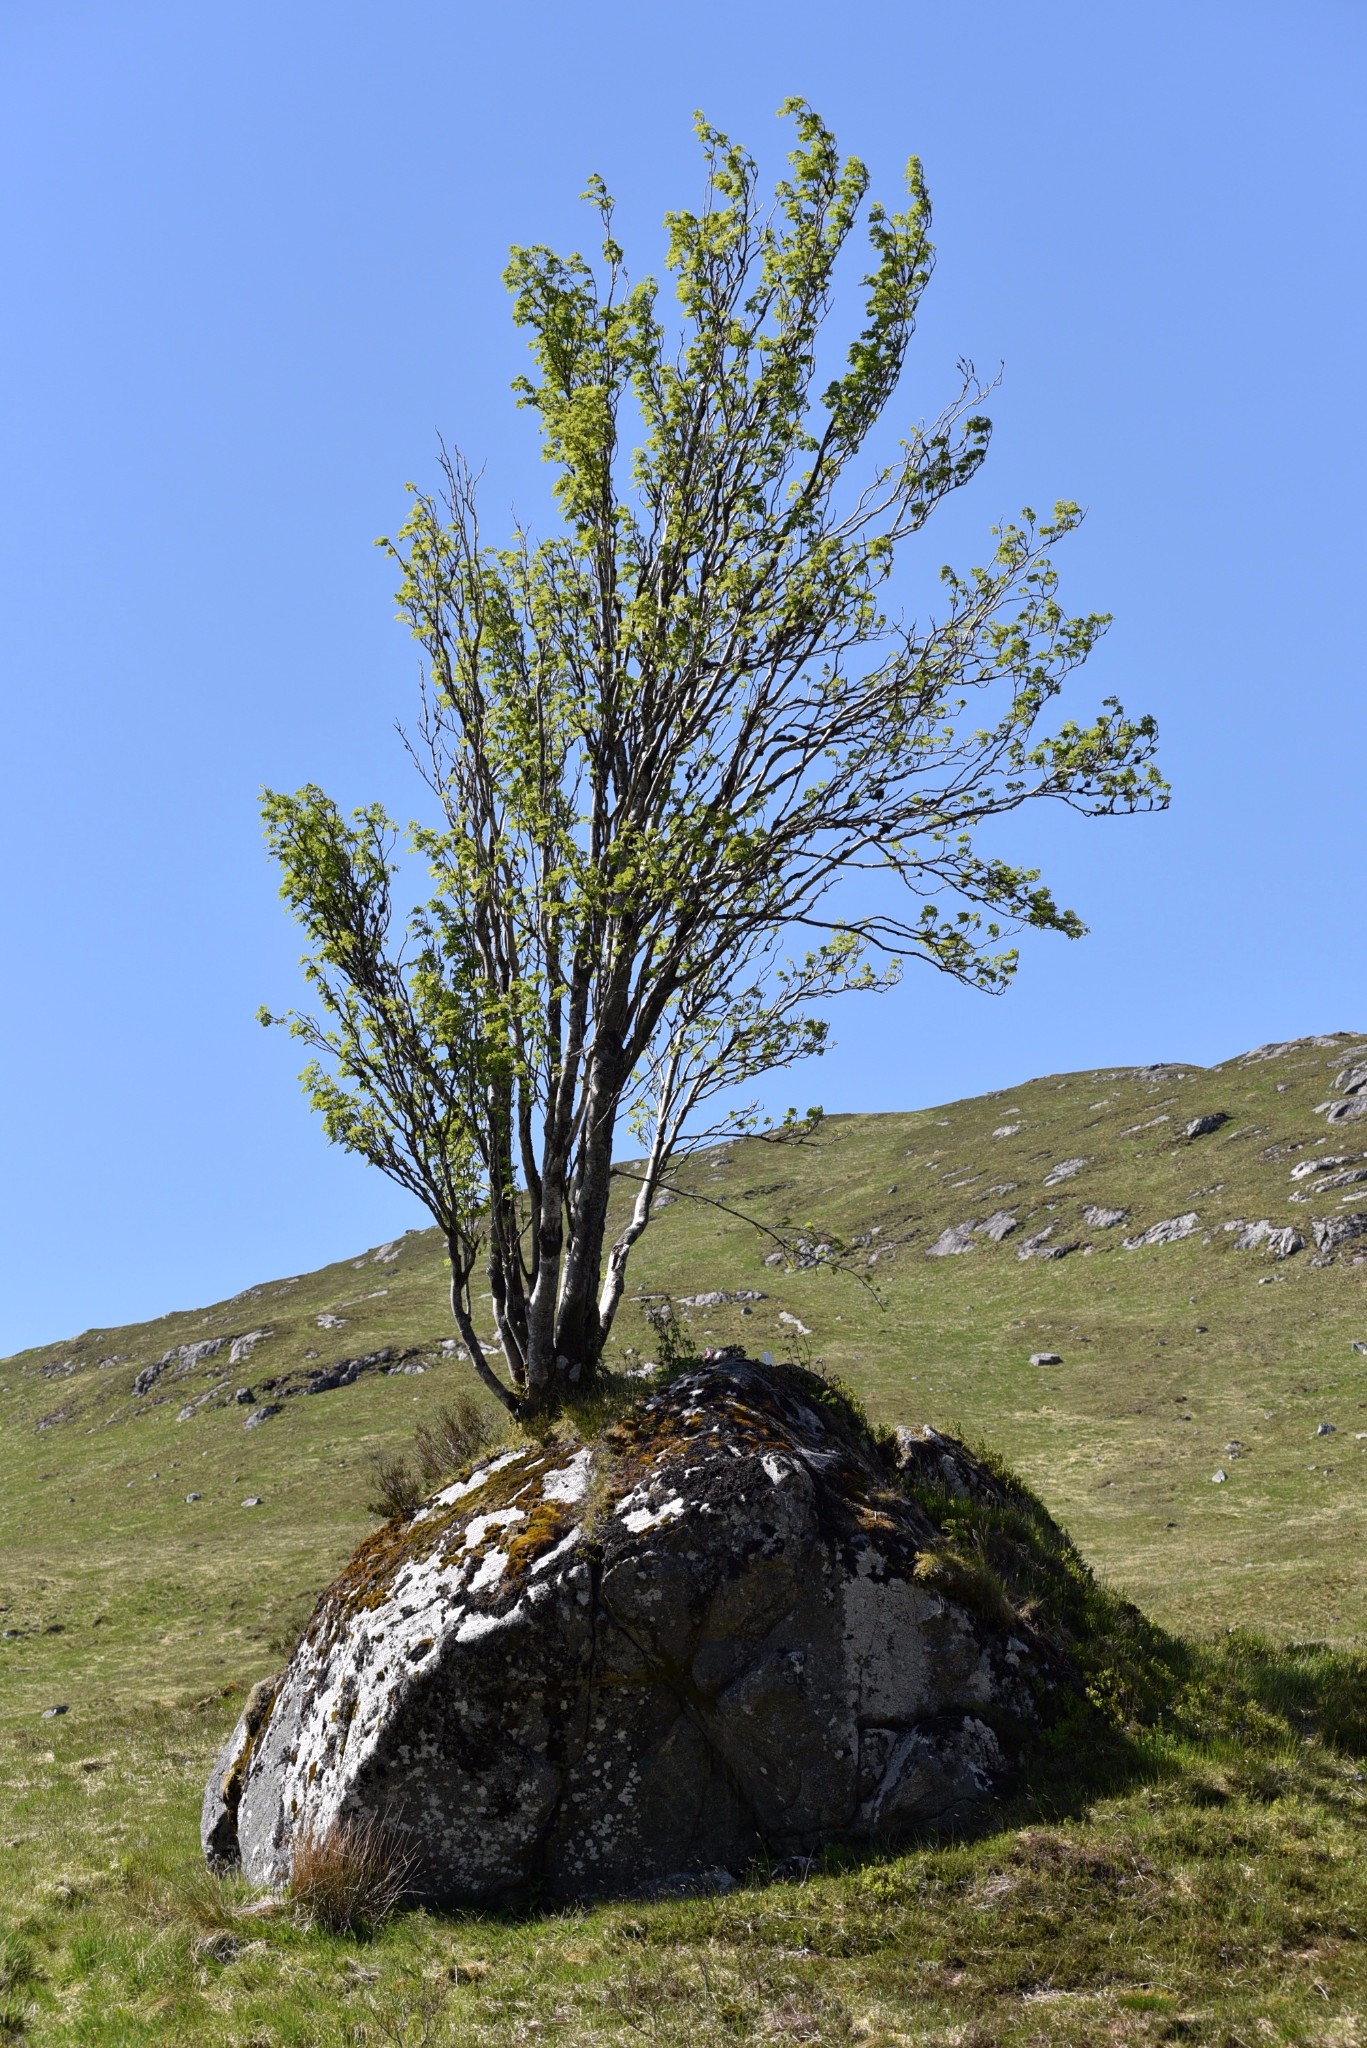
(398, 1488)
(461, 1430)
(349, 1877)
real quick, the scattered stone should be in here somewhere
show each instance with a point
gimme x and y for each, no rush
(1201, 1126)
(1281, 1242)
(1219, 1478)
(763, 1650)
(1045, 1358)
(52, 1713)
(1098, 1218)
(242, 1347)
(262, 1414)
(1360, 1347)
(328, 1321)
(1153, 1121)
(1353, 1080)
(1167, 1232)
(1327, 1429)
(186, 1412)
(1065, 1170)
(721, 1297)
(1338, 1230)
(181, 1358)
(253, 1500)
(794, 1323)
(958, 1238)
(244, 1397)
(1039, 1247)
(1349, 1112)
(773, 1258)
(190, 1497)
(1309, 1166)
(1007, 1130)
(997, 1226)
(1341, 1180)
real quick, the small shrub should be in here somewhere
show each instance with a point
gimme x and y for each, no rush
(398, 1488)
(460, 1432)
(349, 1877)
(677, 1351)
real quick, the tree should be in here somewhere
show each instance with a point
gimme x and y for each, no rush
(668, 745)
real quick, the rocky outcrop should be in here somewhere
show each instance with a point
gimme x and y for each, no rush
(1280, 1242)
(1336, 1231)
(1167, 1232)
(1202, 1126)
(1097, 1216)
(733, 1627)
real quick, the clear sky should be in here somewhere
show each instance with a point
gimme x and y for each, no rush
(251, 260)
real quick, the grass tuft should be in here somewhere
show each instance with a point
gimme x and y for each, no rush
(347, 1878)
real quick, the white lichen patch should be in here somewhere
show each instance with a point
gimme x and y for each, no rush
(636, 1514)
(462, 1488)
(571, 1482)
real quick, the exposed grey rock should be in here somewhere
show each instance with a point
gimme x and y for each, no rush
(1348, 1179)
(328, 1321)
(1045, 1358)
(190, 1498)
(52, 1713)
(242, 1347)
(1350, 1111)
(1202, 1126)
(1337, 1230)
(1065, 1170)
(1098, 1218)
(794, 1323)
(1327, 1429)
(1167, 1232)
(927, 1458)
(958, 1238)
(244, 1397)
(1040, 1246)
(253, 1500)
(262, 1414)
(721, 1297)
(1360, 1347)
(997, 1226)
(1353, 1080)
(181, 1358)
(1219, 1478)
(1308, 1166)
(733, 1632)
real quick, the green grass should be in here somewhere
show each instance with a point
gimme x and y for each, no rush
(1205, 1881)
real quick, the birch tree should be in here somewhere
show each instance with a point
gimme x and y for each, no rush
(690, 772)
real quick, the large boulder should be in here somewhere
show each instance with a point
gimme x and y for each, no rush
(731, 1628)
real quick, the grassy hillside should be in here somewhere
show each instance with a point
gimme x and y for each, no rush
(146, 1613)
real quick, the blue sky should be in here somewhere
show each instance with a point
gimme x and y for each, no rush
(251, 257)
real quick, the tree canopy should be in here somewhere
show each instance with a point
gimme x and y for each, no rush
(690, 771)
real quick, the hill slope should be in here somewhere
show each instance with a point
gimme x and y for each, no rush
(1180, 1359)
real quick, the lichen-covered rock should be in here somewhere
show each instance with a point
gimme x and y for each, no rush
(728, 1629)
